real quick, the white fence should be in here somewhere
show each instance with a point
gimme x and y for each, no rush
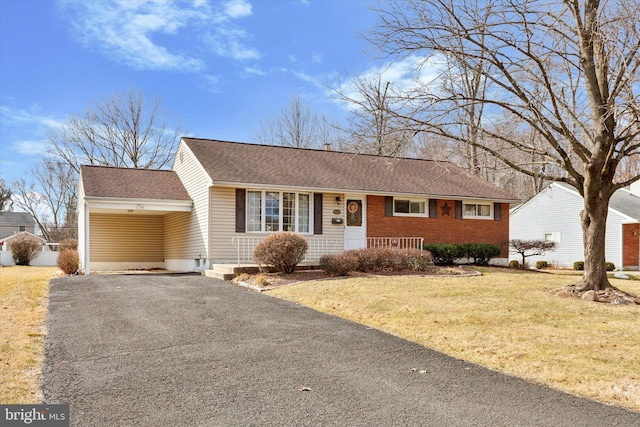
(395, 242)
(319, 247)
(43, 259)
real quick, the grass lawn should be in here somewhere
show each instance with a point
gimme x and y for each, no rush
(505, 320)
(23, 310)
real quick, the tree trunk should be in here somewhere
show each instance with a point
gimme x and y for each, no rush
(593, 219)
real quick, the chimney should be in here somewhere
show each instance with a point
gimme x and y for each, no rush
(327, 146)
(635, 188)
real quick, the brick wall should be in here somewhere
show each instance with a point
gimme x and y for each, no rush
(443, 229)
(630, 245)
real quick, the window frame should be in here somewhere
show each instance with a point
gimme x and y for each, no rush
(301, 218)
(424, 202)
(477, 203)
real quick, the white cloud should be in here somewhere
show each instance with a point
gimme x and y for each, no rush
(21, 117)
(237, 9)
(31, 148)
(128, 31)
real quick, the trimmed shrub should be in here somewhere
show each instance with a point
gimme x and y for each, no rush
(418, 260)
(578, 265)
(375, 259)
(514, 264)
(540, 265)
(444, 253)
(480, 253)
(68, 244)
(69, 261)
(24, 248)
(339, 264)
(281, 251)
(609, 266)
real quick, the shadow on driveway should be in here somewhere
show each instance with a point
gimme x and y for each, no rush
(157, 350)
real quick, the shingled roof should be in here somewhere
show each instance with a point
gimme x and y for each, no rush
(126, 183)
(252, 164)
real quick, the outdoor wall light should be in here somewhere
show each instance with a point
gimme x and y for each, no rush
(338, 200)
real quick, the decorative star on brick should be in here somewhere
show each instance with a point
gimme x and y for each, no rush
(446, 209)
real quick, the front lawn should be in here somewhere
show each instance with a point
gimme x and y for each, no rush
(506, 320)
(23, 311)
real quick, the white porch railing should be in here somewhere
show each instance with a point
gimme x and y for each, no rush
(395, 242)
(318, 247)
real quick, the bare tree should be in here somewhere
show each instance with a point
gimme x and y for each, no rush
(527, 248)
(5, 197)
(51, 199)
(373, 128)
(296, 126)
(118, 131)
(567, 71)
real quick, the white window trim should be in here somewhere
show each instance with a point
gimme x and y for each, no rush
(424, 201)
(555, 236)
(263, 217)
(477, 202)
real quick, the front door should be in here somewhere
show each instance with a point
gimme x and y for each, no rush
(355, 230)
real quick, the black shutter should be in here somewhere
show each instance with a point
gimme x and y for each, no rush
(458, 209)
(388, 206)
(433, 208)
(317, 213)
(497, 211)
(240, 210)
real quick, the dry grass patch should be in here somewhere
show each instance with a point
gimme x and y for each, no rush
(505, 320)
(23, 309)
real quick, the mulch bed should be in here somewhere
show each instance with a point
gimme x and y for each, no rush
(268, 281)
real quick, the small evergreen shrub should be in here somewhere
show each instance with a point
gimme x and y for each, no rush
(514, 264)
(540, 265)
(578, 265)
(281, 251)
(444, 253)
(480, 253)
(339, 264)
(69, 261)
(24, 248)
(68, 244)
(609, 266)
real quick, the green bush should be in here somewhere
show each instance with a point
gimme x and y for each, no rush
(444, 253)
(480, 253)
(578, 265)
(514, 264)
(24, 248)
(609, 266)
(540, 265)
(281, 251)
(69, 261)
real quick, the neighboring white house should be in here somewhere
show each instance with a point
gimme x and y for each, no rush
(554, 214)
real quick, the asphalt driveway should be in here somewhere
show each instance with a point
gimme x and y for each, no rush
(154, 350)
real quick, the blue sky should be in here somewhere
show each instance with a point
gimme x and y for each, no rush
(221, 67)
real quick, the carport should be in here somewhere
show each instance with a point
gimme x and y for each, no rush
(131, 219)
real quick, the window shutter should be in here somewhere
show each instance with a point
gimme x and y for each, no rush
(317, 213)
(433, 208)
(388, 206)
(240, 210)
(497, 211)
(458, 209)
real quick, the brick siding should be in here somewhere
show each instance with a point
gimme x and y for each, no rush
(443, 229)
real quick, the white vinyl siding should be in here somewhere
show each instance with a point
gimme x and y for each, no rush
(196, 181)
(556, 211)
